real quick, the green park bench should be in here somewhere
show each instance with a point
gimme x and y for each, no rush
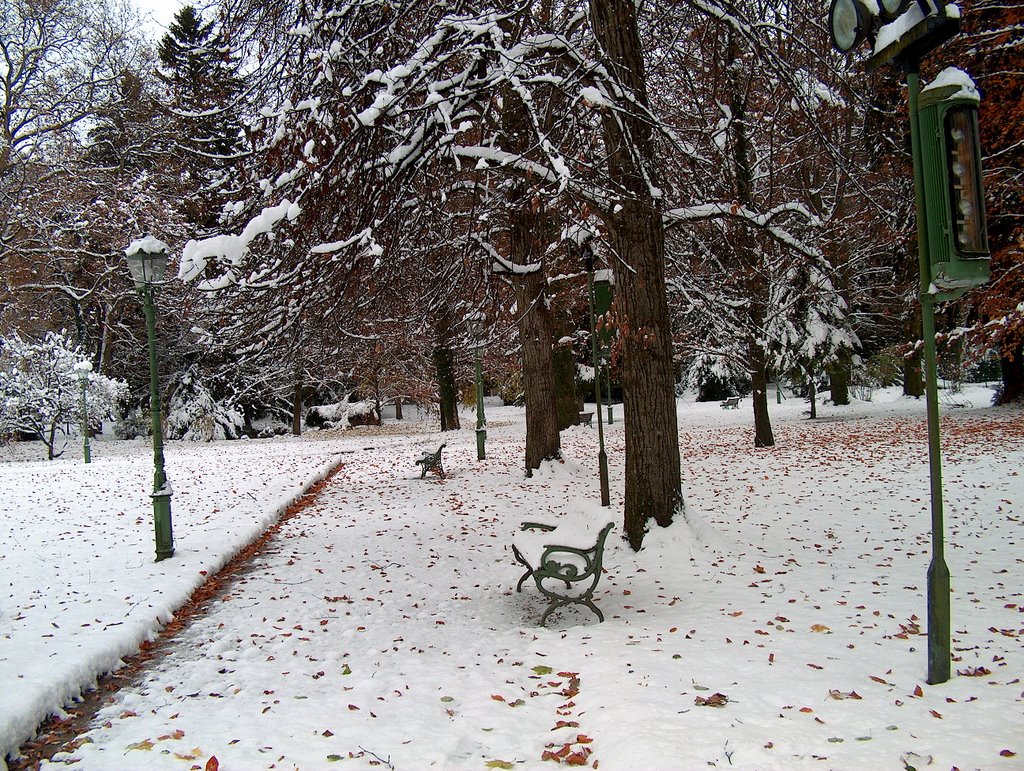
(431, 461)
(579, 569)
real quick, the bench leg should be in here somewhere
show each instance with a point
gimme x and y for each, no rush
(527, 574)
(423, 473)
(556, 604)
(522, 561)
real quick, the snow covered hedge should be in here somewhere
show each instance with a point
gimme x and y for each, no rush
(40, 391)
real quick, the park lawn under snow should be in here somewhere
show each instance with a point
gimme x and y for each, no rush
(779, 626)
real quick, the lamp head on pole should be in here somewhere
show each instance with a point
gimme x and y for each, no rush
(82, 369)
(587, 255)
(147, 261)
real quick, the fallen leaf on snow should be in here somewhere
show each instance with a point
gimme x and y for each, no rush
(714, 700)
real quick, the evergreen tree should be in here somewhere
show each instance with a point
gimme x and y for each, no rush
(205, 90)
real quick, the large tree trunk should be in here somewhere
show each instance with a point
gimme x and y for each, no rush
(747, 251)
(637, 239)
(444, 365)
(529, 231)
(839, 382)
(297, 403)
(566, 399)
(763, 436)
(542, 439)
(1013, 377)
(913, 377)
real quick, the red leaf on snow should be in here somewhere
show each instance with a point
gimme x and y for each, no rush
(212, 764)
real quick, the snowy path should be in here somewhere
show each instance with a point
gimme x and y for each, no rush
(382, 625)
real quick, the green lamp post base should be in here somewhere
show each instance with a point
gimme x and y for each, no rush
(162, 525)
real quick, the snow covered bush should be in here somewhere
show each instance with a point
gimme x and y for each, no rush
(714, 377)
(40, 392)
(195, 414)
(343, 414)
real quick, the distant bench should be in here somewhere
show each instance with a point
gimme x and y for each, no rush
(431, 461)
(585, 418)
(732, 403)
(577, 567)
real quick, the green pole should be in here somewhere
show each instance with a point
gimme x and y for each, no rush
(938, 572)
(86, 450)
(481, 421)
(602, 458)
(608, 375)
(161, 489)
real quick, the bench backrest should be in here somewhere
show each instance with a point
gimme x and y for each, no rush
(592, 556)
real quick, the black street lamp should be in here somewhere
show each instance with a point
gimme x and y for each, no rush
(587, 255)
(147, 261)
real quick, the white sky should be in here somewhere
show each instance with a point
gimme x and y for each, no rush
(159, 13)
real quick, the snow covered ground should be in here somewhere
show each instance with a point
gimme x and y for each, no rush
(780, 626)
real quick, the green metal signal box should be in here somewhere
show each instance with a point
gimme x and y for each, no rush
(951, 159)
(604, 289)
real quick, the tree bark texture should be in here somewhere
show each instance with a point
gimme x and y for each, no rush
(839, 382)
(529, 230)
(297, 403)
(1012, 371)
(913, 376)
(566, 398)
(763, 436)
(748, 253)
(444, 365)
(637, 239)
(542, 439)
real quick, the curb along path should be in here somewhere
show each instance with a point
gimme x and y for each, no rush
(62, 734)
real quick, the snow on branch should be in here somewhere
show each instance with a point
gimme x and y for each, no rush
(765, 220)
(230, 250)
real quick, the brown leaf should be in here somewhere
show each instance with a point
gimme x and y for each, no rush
(918, 692)
(212, 764)
(715, 700)
(974, 672)
(840, 695)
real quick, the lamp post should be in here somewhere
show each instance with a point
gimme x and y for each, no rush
(604, 281)
(587, 253)
(147, 261)
(477, 324)
(82, 369)
(950, 212)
